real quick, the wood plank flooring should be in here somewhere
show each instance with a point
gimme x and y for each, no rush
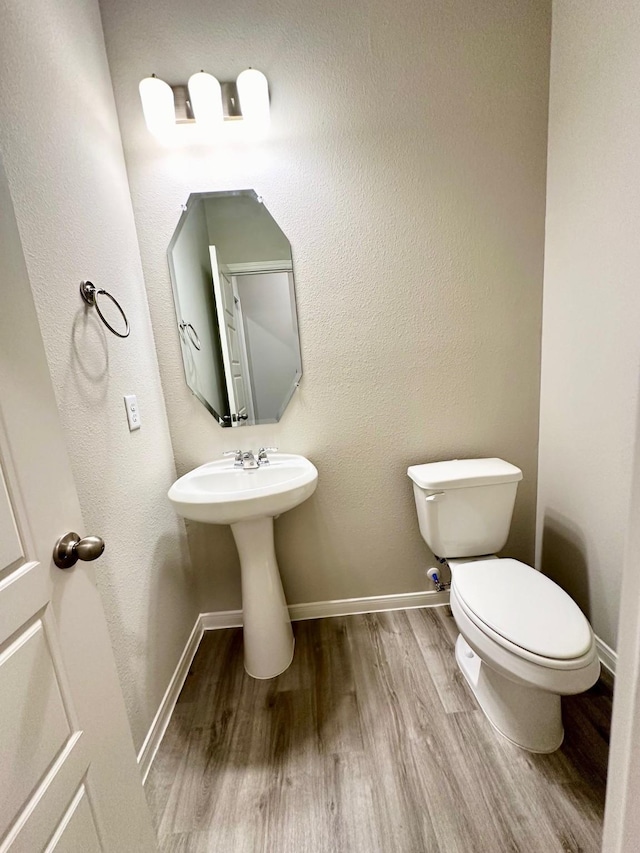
(371, 742)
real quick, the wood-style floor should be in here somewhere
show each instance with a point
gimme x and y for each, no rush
(371, 742)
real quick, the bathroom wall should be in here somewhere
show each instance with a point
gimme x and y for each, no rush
(63, 157)
(406, 165)
(590, 343)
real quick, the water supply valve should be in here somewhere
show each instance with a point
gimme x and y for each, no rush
(434, 575)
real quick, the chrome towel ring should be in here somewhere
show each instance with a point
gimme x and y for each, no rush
(90, 294)
(187, 328)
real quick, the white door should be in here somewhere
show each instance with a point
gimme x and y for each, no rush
(243, 355)
(230, 342)
(68, 777)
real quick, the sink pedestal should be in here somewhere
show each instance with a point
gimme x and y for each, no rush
(268, 638)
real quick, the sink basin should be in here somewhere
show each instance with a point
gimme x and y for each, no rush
(218, 493)
(249, 500)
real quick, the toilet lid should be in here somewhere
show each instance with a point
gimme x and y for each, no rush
(525, 607)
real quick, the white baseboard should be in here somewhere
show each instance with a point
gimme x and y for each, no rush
(339, 607)
(370, 604)
(608, 658)
(221, 619)
(163, 716)
(233, 619)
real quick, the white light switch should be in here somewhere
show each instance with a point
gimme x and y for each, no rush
(133, 415)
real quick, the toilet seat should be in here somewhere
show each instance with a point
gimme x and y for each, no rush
(525, 612)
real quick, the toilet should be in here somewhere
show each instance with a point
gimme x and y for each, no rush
(523, 641)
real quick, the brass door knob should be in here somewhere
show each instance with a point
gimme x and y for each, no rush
(71, 548)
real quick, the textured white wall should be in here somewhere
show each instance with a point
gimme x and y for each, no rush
(406, 164)
(591, 339)
(63, 157)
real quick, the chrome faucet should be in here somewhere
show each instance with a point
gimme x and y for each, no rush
(242, 459)
(245, 458)
(249, 460)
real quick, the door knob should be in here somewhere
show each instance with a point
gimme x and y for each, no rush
(71, 548)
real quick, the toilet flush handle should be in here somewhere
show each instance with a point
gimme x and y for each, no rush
(437, 496)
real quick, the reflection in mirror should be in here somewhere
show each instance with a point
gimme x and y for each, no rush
(233, 289)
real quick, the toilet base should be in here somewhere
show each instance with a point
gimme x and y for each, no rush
(527, 716)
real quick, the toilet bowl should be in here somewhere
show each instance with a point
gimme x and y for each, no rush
(521, 650)
(523, 641)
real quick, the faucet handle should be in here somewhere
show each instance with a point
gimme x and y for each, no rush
(237, 462)
(263, 459)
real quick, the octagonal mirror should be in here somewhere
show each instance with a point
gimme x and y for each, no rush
(234, 295)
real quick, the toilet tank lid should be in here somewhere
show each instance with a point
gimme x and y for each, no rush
(460, 473)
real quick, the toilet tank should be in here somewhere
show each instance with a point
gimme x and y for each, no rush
(465, 505)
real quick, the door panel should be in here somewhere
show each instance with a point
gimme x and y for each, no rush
(35, 726)
(10, 544)
(77, 829)
(44, 754)
(36, 827)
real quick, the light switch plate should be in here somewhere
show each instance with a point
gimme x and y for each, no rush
(133, 415)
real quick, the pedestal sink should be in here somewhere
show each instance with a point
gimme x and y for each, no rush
(248, 500)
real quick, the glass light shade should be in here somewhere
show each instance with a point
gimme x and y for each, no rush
(253, 92)
(157, 105)
(205, 95)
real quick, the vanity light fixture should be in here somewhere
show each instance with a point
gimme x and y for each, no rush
(205, 97)
(205, 103)
(157, 105)
(253, 93)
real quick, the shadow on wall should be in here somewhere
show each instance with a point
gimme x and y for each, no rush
(89, 356)
(145, 671)
(171, 571)
(212, 550)
(564, 559)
